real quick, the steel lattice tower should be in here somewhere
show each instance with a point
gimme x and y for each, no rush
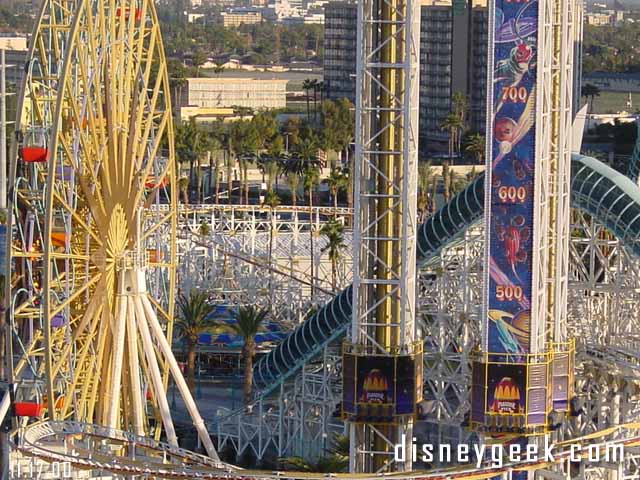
(385, 207)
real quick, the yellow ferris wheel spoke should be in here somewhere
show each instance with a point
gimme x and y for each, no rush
(94, 251)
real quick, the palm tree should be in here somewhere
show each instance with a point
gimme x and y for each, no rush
(177, 80)
(218, 69)
(434, 193)
(193, 319)
(199, 58)
(329, 464)
(457, 183)
(590, 91)
(471, 174)
(272, 200)
(336, 461)
(314, 85)
(204, 229)
(425, 177)
(191, 144)
(446, 180)
(340, 445)
(334, 231)
(307, 86)
(310, 180)
(270, 167)
(452, 124)
(183, 184)
(248, 323)
(460, 106)
(293, 182)
(476, 146)
(305, 161)
(337, 181)
(225, 140)
(244, 143)
(213, 144)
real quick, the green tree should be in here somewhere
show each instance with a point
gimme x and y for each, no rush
(271, 200)
(460, 107)
(307, 86)
(245, 143)
(425, 178)
(333, 463)
(293, 182)
(472, 174)
(314, 85)
(590, 91)
(271, 161)
(334, 233)
(457, 183)
(199, 58)
(337, 181)
(248, 322)
(214, 144)
(204, 229)
(183, 185)
(434, 192)
(177, 79)
(453, 125)
(192, 320)
(305, 162)
(292, 132)
(218, 69)
(476, 147)
(310, 181)
(446, 180)
(190, 143)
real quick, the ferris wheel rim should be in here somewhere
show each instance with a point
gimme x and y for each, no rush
(169, 221)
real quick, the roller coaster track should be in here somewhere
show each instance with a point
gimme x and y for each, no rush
(598, 190)
(85, 447)
(610, 197)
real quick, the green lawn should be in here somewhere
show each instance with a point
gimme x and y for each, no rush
(611, 102)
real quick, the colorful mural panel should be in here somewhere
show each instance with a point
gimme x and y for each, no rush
(511, 217)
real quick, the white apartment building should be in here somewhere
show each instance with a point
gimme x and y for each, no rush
(236, 92)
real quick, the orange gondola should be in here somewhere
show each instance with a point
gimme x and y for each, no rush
(155, 256)
(59, 239)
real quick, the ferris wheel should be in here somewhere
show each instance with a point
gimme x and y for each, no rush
(92, 222)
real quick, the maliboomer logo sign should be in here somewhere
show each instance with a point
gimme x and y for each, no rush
(498, 455)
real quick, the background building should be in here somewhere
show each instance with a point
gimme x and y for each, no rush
(251, 93)
(340, 25)
(237, 18)
(15, 47)
(453, 51)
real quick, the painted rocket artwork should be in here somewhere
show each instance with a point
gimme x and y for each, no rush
(512, 176)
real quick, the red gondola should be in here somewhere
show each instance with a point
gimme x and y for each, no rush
(28, 402)
(34, 149)
(138, 13)
(153, 183)
(34, 154)
(28, 409)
